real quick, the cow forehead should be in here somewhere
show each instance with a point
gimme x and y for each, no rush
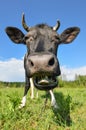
(41, 30)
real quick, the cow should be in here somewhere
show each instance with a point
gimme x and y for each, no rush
(40, 62)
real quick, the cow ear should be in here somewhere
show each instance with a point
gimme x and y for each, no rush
(15, 35)
(69, 34)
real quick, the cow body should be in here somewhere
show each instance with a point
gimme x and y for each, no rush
(41, 62)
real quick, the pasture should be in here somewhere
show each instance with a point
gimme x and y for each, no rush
(71, 114)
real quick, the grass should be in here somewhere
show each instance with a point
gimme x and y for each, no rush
(71, 114)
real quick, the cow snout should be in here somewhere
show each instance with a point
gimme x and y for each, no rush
(47, 63)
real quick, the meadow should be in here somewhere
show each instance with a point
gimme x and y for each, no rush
(71, 114)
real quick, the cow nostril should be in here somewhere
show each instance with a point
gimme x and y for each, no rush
(51, 62)
(31, 63)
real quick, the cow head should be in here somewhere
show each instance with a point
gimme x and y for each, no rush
(42, 42)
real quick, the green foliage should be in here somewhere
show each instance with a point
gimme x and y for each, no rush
(79, 82)
(63, 112)
(12, 84)
(70, 115)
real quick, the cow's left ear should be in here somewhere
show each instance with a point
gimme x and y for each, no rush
(15, 35)
(68, 35)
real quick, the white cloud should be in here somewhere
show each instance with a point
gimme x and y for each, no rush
(70, 73)
(13, 70)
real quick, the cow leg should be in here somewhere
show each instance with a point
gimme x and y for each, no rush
(53, 100)
(27, 86)
(32, 89)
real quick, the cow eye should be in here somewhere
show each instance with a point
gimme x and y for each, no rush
(25, 38)
(57, 38)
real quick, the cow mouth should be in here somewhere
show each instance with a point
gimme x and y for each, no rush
(45, 82)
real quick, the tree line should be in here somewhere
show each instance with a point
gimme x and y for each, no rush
(80, 81)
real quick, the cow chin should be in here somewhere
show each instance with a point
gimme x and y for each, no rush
(45, 82)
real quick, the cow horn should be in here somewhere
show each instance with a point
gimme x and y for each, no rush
(24, 23)
(56, 27)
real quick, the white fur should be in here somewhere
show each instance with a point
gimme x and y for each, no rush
(53, 100)
(23, 102)
(32, 88)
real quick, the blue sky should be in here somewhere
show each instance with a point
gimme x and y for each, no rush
(70, 13)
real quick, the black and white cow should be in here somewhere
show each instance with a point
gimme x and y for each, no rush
(40, 62)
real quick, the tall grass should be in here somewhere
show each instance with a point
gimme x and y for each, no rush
(71, 114)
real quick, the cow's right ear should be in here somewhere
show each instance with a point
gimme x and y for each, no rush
(15, 35)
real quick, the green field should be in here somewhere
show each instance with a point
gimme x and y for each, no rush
(71, 114)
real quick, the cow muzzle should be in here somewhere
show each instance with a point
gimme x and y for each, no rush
(44, 68)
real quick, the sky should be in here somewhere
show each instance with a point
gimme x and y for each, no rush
(72, 57)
